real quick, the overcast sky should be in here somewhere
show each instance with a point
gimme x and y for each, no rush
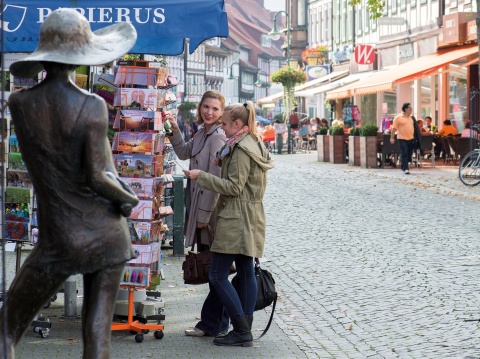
(275, 5)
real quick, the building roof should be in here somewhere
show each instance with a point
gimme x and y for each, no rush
(248, 21)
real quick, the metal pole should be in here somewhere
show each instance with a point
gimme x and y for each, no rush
(185, 68)
(70, 297)
(288, 97)
(178, 216)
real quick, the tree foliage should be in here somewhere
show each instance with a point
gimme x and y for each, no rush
(374, 7)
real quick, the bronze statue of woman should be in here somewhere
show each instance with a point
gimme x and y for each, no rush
(62, 133)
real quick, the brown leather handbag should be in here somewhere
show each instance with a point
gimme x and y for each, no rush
(197, 264)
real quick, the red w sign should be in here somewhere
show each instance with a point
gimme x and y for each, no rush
(364, 54)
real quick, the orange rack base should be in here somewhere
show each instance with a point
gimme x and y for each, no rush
(135, 326)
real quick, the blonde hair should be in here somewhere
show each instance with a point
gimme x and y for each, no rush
(210, 94)
(246, 114)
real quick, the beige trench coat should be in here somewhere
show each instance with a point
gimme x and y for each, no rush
(241, 218)
(200, 203)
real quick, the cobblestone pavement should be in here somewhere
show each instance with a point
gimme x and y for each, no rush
(373, 263)
(369, 263)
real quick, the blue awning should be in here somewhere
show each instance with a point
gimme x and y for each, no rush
(161, 25)
(263, 121)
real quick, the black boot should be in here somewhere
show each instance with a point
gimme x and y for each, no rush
(249, 321)
(241, 334)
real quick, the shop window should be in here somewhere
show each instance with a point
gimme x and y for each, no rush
(458, 98)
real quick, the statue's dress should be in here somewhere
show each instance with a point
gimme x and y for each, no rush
(79, 231)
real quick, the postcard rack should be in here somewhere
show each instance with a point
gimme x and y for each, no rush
(20, 209)
(142, 159)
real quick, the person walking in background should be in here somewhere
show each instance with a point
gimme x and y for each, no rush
(404, 125)
(294, 120)
(240, 231)
(200, 203)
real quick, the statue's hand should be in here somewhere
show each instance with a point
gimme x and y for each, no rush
(126, 209)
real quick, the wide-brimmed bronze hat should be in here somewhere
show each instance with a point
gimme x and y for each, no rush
(66, 37)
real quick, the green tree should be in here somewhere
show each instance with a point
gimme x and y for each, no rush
(374, 7)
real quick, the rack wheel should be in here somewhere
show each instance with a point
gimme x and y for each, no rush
(139, 338)
(133, 332)
(158, 334)
(36, 329)
(43, 334)
(145, 331)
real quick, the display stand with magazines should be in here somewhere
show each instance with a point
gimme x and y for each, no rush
(144, 162)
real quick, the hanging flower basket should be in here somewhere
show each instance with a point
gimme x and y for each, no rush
(288, 77)
(320, 52)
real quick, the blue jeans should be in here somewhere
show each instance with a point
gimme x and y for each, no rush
(236, 304)
(406, 150)
(214, 318)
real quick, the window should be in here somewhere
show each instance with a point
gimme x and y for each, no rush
(301, 18)
(386, 7)
(359, 22)
(265, 40)
(394, 6)
(339, 34)
(403, 5)
(413, 3)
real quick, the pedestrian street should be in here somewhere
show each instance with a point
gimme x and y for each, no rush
(373, 263)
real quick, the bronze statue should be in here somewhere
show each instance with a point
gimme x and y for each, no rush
(61, 131)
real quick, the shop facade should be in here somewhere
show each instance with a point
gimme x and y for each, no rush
(435, 76)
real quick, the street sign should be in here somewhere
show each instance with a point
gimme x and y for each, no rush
(364, 54)
(391, 21)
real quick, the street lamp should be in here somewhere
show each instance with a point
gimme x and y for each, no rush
(275, 35)
(231, 77)
(259, 83)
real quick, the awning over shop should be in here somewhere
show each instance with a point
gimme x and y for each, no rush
(320, 81)
(161, 26)
(343, 81)
(424, 66)
(270, 99)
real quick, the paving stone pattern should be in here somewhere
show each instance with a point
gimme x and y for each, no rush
(371, 263)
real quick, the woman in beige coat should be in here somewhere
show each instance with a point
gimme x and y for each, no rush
(240, 230)
(200, 203)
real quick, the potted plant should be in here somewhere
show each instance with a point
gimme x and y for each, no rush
(368, 145)
(354, 147)
(323, 149)
(337, 144)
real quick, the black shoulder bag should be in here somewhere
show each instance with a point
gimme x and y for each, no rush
(266, 294)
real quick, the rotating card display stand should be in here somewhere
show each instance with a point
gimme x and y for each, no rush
(143, 161)
(20, 208)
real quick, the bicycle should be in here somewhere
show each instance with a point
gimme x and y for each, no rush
(469, 169)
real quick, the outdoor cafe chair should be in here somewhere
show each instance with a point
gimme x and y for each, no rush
(428, 147)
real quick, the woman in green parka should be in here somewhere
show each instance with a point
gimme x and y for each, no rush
(240, 229)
